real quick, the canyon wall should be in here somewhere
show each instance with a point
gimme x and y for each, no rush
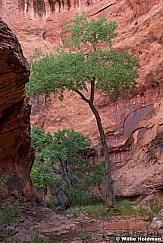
(33, 9)
(136, 141)
(133, 125)
(142, 6)
(16, 157)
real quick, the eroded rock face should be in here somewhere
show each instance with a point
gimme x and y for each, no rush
(136, 142)
(15, 143)
(142, 6)
(34, 9)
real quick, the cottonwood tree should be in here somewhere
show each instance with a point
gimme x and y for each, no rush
(60, 164)
(88, 64)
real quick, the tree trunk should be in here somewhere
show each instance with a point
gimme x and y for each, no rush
(65, 174)
(109, 193)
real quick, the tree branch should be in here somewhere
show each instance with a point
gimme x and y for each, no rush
(92, 90)
(94, 45)
(82, 96)
(57, 171)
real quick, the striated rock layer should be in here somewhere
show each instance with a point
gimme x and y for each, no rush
(133, 125)
(15, 143)
(136, 141)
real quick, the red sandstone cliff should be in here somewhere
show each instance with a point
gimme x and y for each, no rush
(134, 126)
(15, 144)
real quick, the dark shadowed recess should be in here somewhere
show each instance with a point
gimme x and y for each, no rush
(39, 5)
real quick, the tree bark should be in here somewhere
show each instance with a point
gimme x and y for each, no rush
(109, 192)
(65, 174)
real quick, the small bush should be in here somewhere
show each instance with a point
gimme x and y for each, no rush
(40, 239)
(9, 215)
(143, 211)
(100, 211)
(4, 179)
(85, 237)
(155, 207)
(97, 211)
(124, 207)
(51, 203)
(152, 210)
(78, 196)
(11, 240)
(37, 238)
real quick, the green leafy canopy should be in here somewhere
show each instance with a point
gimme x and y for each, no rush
(63, 148)
(63, 145)
(113, 70)
(92, 31)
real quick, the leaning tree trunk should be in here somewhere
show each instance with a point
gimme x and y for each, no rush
(109, 193)
(16, 155)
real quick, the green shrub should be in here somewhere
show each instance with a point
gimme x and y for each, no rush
(51, 203)
(4, 179)
(11, 240)
(78, 196)
(40, 239)
(124, 207)
(9, 215)
(97, 211)
(60, 163)
(62, 148)
(143, 211)
(85, 237)
(155, 207)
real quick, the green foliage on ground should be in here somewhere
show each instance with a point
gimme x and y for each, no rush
(123, 207)
(9, 212)
(81, 195)
(4, 179)
(40, 239)
(155, 206)
(151, 210)
(85, 237)
(99, 210)
(37, 238)
(9, 215)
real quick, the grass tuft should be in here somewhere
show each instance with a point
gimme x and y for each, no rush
(85, 237)
(124, 207)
